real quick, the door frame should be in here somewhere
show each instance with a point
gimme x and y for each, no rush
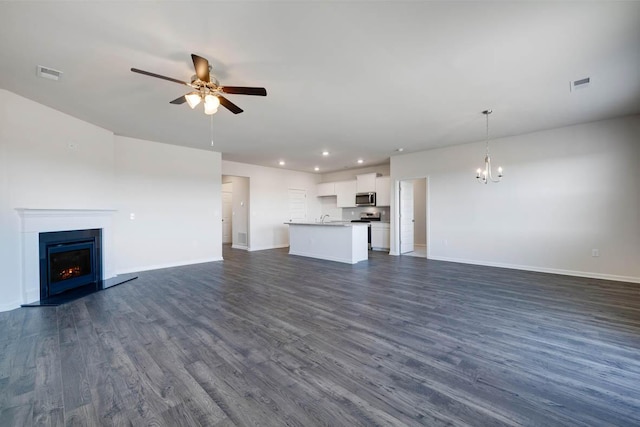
(396, 214)
(401, 220)
(245, 205)
(230, 219)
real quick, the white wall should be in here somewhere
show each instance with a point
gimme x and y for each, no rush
(8, 238)
(565, 192)
(329, 206)
(50, 160)
(269, 201)
(175, 195)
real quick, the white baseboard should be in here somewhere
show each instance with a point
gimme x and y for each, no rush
(6, 306)
(588, 274)
(167, 265)
(239, 247)
(264, 248)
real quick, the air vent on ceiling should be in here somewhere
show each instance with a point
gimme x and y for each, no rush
(580, 84)
(48, 73)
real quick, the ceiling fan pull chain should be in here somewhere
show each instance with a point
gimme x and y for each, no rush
(211, 116)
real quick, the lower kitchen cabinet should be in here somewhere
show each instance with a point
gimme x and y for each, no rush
(380, 235)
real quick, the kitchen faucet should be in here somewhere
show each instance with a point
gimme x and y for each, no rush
(322, 218)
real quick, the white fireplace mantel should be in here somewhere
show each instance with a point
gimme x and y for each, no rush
(36, 221)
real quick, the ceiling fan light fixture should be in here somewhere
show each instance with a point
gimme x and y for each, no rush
(211, 104)
(209, 110)
(205, 88)
(193, 99)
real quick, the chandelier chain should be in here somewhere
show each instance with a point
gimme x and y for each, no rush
(487, 142)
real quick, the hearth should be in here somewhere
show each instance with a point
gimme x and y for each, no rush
(69, 260)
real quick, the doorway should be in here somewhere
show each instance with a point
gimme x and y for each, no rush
(413, 217)
(227, 209)
(235, 211)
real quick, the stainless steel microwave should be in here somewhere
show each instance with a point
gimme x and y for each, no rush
(365, 199)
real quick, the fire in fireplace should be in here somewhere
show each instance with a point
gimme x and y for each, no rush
(69, 260)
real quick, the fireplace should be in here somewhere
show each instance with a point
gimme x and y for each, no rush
(69, 260)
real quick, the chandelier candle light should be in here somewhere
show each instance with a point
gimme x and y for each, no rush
(484, 176)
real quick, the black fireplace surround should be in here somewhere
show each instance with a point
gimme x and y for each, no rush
(69, 260)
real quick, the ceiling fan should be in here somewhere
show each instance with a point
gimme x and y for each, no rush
(207, 88)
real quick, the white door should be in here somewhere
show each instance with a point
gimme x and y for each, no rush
(227, 204)
(406, 217)
(297, 205)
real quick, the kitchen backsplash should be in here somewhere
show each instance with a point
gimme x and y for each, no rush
(354, 213)
(328, 207)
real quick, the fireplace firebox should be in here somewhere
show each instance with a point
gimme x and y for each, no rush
(69, 260)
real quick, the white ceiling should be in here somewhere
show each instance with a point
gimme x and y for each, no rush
(359, 79)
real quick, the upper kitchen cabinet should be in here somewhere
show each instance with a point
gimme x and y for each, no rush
(326, 189)
(383, 191)
(346, 194)
(366, 183)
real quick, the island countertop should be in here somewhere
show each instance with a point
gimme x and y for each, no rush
(331, 224)
(334, 241)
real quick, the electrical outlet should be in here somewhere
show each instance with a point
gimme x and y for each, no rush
(595, 252)
(132, 216)
(445, 242)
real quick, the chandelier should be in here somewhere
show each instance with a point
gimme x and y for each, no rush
(486, 175)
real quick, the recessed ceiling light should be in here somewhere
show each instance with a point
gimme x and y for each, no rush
(325, 153)
(281, 163)
(360, 161)
(316, 169)
(399, 150)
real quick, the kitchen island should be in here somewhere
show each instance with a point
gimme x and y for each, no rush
(334, 241)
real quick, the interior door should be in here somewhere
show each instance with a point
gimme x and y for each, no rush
(406, 217)
(227, 205)
(297, 205)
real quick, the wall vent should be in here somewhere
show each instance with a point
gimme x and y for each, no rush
(242, 238)
(580, 84)
(48, 73)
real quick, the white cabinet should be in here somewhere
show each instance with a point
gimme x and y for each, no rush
(346, 194)
(326, 189)
(366, 183)
(380, 235)
(383, 191)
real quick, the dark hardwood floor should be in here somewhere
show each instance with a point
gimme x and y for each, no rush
(265, 338)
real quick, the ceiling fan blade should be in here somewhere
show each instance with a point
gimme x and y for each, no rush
(147, 73)
(202, 67)
(180, 100)
(229, 105)
(241, 90)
